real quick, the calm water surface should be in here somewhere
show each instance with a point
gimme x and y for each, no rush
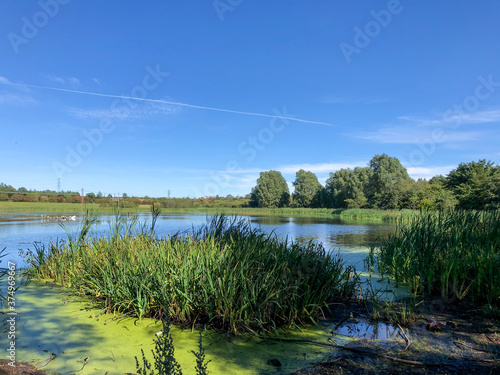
(351, 238)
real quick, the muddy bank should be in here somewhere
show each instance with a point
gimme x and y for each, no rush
(457, 339)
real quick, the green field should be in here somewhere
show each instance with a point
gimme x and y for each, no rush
(358, 214)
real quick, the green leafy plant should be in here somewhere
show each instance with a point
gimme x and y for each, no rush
(163, 354)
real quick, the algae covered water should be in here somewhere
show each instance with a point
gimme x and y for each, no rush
(51, 321)
(60, 334)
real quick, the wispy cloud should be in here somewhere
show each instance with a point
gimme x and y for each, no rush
(65, 81)
(319, 167)
(284, 169)
(451, 119)
(187, 105)
(415, 135)
(445, 128)
(18, 96)
(16, 99)
(429, 172)
(126, 112)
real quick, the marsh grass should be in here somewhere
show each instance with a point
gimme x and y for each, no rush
(379, 215)
(453, 253)
(225, 273)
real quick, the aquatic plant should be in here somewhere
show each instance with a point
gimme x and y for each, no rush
(452, 253)
(225, 273)
(164, 359)
(201, 363)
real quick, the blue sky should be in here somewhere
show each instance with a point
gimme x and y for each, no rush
(418, 80)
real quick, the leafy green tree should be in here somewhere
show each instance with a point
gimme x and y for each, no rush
(493, 185)
(438, 180)
(7, 188)
(346, 187)
(271, 190)
(307, 189)
(474, 184)
(384, 190)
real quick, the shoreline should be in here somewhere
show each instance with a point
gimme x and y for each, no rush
(352, 214)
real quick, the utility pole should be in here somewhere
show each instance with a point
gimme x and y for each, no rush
(82, 199)
(59, 185)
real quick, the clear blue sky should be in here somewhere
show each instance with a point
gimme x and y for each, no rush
(418, 80)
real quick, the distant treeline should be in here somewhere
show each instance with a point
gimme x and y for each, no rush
(383, 184)
(11, 194)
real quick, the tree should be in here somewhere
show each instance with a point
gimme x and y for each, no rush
(271, 190)
(438, 180)
(473, 184)
(91, 197)
(384, 187)
(307, 189)
(346, 188)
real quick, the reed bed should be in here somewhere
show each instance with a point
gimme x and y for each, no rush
(225, 273)
(452, 253)
(378, 214)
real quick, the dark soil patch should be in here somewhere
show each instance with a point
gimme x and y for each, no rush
(19, 368)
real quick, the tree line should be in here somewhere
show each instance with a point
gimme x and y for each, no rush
(383, 184)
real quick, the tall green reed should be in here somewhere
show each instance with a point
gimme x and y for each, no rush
(452, 253)
(224, 273)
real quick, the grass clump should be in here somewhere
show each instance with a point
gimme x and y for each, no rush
(452, 253)
(225, 273)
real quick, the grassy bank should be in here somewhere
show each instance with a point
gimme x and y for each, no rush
(63, 207)
(356, 214)
(455, 254)
(226, 274)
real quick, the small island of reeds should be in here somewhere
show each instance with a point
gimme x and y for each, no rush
(226, 274)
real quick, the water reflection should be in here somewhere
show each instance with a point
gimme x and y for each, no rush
(21, 230)
(361, 329)
(334, 233)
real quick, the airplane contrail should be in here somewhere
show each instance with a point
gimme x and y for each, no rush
(164, 102)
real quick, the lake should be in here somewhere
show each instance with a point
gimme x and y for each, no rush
(351, 238)
(50, 320)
